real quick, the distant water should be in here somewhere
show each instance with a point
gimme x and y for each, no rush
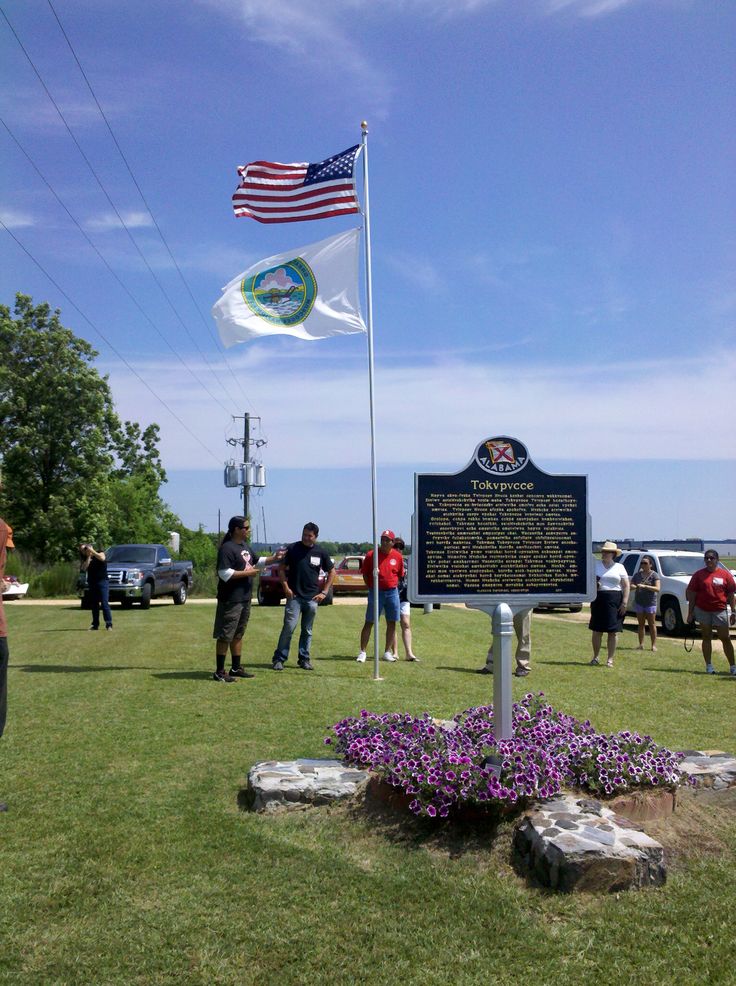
(284, 307)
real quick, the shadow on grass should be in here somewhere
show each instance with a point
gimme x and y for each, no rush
(77, 669)
(445, 667)
(451, 837)
(183, 675)
(65, 630)
(584, 663)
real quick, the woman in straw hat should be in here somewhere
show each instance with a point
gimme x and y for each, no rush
(609, 606)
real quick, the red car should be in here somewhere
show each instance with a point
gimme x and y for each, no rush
(270, 592)
(347, 576)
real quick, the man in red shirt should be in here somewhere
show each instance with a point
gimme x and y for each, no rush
(710, 591)
(390, 570)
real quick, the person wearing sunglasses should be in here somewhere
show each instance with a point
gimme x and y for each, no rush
(237, 563)
(647, 585)
(710, 592)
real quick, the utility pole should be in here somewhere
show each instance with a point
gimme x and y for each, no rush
(247, 473)
(246, 450)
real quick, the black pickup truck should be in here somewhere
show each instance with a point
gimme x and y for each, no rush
(140, 573)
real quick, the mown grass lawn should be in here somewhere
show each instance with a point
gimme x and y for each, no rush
(127, 859)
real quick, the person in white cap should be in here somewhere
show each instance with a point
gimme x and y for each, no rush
(390, 571)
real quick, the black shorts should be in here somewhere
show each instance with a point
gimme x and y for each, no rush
(231, 619)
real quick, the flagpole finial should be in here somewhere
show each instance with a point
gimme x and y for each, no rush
(364, 126)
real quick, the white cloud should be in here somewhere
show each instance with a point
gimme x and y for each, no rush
(15, 219)
(321, 33)
(109, 221)
(439, 412)
(416, 270)
(589, 8)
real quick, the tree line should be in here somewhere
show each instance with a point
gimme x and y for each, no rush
(72, 470)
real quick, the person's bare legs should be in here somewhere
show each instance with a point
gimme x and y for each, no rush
(706, 643)
(365, 635)
(611, 647)
(652, 621)
(406, 639)
(725, 638)
(596, 638)
(390, 636)
(640, 629)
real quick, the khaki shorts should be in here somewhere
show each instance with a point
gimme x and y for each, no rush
(708, 619)
(231, 619)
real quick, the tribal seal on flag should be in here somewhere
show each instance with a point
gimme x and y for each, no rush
(501, 456)
(282, 295)
(310, 293)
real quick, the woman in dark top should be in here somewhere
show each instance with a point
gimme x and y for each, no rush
(94, 563)
(646, 583)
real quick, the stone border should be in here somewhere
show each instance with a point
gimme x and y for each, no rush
(569, 843)
(579, 844)
(276, 784)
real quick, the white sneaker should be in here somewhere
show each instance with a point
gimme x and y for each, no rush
(709, 669)
(361, 657)
(388, 656)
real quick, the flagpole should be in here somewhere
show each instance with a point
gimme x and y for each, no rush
(369, 322)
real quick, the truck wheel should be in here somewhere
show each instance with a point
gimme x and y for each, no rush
(576, 607)
(180, 596)
(85, 602)
(671, 619)
(126, 603)
(266, 600)
(146, 596)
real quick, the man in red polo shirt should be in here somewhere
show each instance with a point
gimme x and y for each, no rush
(709, 593)
(390, 570)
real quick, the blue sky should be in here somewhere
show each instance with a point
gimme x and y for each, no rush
(552, 209)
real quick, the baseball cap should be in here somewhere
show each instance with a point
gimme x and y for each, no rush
(388, 534)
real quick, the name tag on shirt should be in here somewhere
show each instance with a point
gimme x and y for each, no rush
(314, 560)
(718, 581)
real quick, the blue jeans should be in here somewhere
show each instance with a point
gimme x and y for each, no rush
(308, 610)
(99, 594)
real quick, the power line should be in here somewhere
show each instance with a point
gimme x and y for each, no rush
(109, 268)
(206, 322)
(105, 193)
(107, 341)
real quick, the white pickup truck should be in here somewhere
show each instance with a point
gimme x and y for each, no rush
(675, 569)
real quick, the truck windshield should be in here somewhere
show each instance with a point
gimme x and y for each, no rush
(132, 554)
(672, 565)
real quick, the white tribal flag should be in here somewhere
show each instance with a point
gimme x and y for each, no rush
(310, 293)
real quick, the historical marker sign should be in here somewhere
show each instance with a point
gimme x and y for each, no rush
(501, 530)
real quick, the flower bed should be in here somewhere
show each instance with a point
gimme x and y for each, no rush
(446, 767)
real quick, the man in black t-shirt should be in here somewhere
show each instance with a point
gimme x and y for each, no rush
(299, 577)
(237, 563)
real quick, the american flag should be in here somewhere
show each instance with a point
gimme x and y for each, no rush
(286, 193)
